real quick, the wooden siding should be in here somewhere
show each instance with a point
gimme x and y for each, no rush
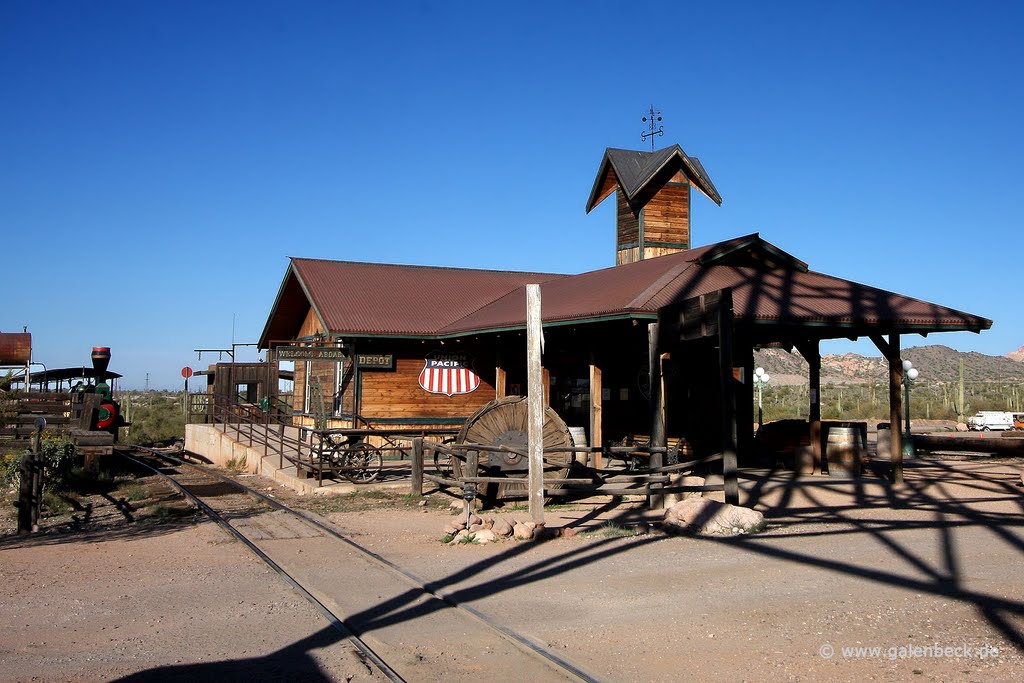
(608, 185)
(627, 224)
(311, 325)
(667, 217)
(629, 255)
(397, 394)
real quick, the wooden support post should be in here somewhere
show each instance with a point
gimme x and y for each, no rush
(655, 500)
(596, 437)
(728, 392)
(499, 381)
(809, 350)
(891, 350)
(537, 389)
(417, 466)
(547, 386)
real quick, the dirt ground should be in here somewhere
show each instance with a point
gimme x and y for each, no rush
(930, 574)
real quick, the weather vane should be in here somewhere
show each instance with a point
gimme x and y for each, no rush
(653, 119)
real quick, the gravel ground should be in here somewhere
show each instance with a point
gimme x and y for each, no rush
(843, 564)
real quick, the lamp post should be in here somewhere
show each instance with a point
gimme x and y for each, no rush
(910, 373)
(760, 380)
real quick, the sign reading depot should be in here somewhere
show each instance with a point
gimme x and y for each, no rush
(448, 373)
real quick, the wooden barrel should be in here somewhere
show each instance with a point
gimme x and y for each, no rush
(844, 451)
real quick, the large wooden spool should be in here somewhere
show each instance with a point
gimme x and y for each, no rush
(503, 422)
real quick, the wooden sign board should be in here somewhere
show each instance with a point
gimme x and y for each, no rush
(15, 348)
(375, 361)
(311, 353)
(696, 318)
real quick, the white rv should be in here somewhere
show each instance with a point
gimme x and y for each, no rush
(990, 419)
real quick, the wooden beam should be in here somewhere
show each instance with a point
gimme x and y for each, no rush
(537, 385)
(499, 381)
(656, 501)
(895, 408)
(417, 466)
(811, 353)
(596, 407)
(727, 383)
(546, 374)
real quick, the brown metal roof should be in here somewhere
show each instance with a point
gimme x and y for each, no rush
(770, 287)
(383, 299)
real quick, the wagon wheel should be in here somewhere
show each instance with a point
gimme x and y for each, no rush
(504, 422)
(366, 462)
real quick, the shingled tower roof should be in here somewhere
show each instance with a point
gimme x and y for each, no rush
(638, 173)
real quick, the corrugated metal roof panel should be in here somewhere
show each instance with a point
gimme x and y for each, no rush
(379, 299)
(373, 298)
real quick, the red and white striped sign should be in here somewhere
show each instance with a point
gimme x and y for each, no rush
(448, 373)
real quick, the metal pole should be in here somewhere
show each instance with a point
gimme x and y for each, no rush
(906, 408)
(760, 414)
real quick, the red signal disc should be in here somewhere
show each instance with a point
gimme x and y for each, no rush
(107, 414)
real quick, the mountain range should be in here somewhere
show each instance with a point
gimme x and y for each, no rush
(935, 363)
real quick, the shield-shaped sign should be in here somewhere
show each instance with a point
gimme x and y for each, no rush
(448, 373)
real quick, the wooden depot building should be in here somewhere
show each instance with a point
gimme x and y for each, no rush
(411, 345)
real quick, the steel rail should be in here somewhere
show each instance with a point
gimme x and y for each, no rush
(335, 622)
(524, 641)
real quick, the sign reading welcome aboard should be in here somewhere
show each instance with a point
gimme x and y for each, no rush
(310, 353)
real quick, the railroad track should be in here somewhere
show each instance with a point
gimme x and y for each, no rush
(402, 627)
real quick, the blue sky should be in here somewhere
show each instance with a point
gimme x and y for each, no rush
(160, 161)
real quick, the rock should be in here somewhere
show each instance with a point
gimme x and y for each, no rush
(523, 530)
(961, 426)
(710, 517)
(473, 519)
(458, 537)
(485, 536)
(683, 480)
(489, 523)
(458, 525)
(422, 503)
(473, 528)
(450, 531)
(502, 528)
(568, 532)
(457, 505)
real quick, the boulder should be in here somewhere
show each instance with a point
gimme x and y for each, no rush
(473, 528)
(457, 538)
(485, 536)
(523, 530)
(502, 528)
(710, 517)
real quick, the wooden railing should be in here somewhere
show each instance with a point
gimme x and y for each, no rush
(19, 410)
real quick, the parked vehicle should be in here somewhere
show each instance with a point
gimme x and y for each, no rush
(991, 419)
